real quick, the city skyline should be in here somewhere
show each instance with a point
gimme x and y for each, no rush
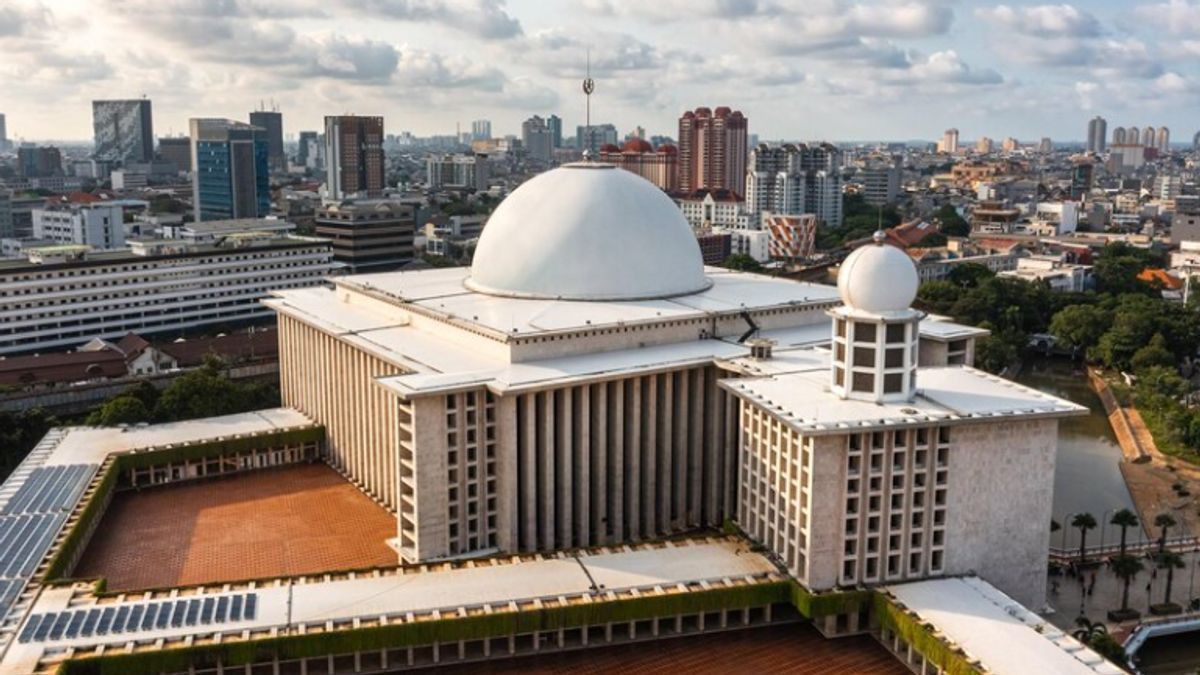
(859, 71)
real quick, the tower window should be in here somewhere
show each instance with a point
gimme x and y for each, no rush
(864, 332)
(895, 332)
(864, 382)
(893, 383)
(864, 357)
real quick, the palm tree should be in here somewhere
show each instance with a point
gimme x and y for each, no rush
(1163, 521)
(1085, 522)
(1124, 519)
(1088, 630)
(1170, 561)
(1126, 567)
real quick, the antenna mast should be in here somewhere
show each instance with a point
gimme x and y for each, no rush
(588, 87)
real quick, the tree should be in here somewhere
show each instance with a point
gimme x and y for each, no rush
(200, 393)
(742, 263)
(1153, 354)
(1169, 561)
(19, 432)
(1079, 326)
(123, 409)
(1088, 629)
(1164, 522)
(1126, 567)
(1124, 519)
(1117, 268)
(1084, 522)
(969, 275)
(994, 354)
(951, 224)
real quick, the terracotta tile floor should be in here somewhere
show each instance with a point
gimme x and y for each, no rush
(796, 649)
(294, 520)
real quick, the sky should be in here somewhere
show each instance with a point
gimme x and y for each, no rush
(840, 70)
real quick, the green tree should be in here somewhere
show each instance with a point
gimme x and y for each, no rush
(203, 392)
(938, 296)
(1084, 522)
(1117, 267)
(1124, 519)
(969, 275)
(742, 263)
(994, 354)
(1079, 326)
(951, 224)
(19, 433)
(1164, 522)
(1153, 354)
(1169, 561)
(1126, 567)
(123, 409)
(1088, 629)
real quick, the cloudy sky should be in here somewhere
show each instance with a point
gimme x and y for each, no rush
(806, 69)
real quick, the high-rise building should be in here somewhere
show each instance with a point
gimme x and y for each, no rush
(271, 121)
(461, 172)
(1082, 173)
(1164, 139)
(124, 131)
(794, 179)
(1046, 146)
(712, 150)
(39, 162)
(1150, 137)
(949, 143)
(1011, 144)
(3, 133)
(1196, 141)
(176, 150)
(100, 225)
(554, 124)
(657, 165)
(7, 229)
(369, 235)
(1097, 136)
(481, 130)
(1133, 136)
(354, 161)
(881, 181)
(230, 172)
(1118, 136)
(307, 151)
(591, 138)
(537, 139)
(984, 145)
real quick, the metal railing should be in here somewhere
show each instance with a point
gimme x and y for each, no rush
(1178, 544)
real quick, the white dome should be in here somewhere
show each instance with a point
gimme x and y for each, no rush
(878, 278)
(588, 232)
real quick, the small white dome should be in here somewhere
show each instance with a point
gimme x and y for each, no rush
(878, 278)
(588, 231)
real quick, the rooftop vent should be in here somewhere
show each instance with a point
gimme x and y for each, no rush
(760, 348)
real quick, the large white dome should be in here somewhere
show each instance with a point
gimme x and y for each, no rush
(588, 231)
(878, 278)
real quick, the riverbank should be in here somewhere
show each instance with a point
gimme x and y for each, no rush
(1151, 476)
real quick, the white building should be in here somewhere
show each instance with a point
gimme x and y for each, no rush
(463, 172)
(713, 208)
(1061, 276)
(63, 296)
(97, 225)
(123, 179)
(1060, 217)
(569, 390)
(794, 179)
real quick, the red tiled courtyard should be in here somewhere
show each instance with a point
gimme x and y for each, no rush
(293, 520)
(792, 649)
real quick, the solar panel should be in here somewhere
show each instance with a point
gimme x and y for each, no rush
(235, 608)
(106, 618)
(120, 619)
(75, 625)
(135, 618)
(251, 603)
(60, 625)
(89, 624)
(31, 626)
(206, 611)
(222, 607)
(50, 489)
(43, 628)
(179, 610)
(148, 618)
(164, 615)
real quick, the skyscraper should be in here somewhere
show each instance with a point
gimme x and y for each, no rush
(35, 162)
(230, 172)
(949, 144)
(594, 137)
(712, 150)
(1046, 146)
(272, 122)
(794, 179)
(123, 130)
(353, 156)
(537, 140)
(481, 130)
(1118, 137)
(554, 124)
(1164, 139)
(308, 149)
(177, 150)
(1150, 137)
(3, 133)
(1097, 136)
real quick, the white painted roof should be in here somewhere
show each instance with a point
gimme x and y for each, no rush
(471, 585)
(588, 231)
(997, 630)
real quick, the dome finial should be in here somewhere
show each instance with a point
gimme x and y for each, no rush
(879, 237)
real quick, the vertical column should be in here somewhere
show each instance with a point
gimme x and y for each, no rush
(583, 465)
(682, 440)
(564, 447)
(695, 463)
(633, 457)
(507, 481)
(665, 403)
(599, 463)
(712, 466)
(616, 460)
(528, 438)
(546, 464)
(649, 456)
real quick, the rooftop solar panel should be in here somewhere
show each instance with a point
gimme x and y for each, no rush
(89, 624)
(149, 616)
(235, 608)
(251, 604)
(222, 608)
(206, 610)
(105, 623)
(31, 626)
(75, 625)
(60, 624)
(119, 620)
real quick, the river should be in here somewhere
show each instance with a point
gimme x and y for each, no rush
(1086, 476)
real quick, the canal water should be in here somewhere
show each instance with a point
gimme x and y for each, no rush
(1087, 477)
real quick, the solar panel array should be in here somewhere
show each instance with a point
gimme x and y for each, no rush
(31, 518)
(129, 618)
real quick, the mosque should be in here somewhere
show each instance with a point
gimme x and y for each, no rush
(586, 439)
(588, 381)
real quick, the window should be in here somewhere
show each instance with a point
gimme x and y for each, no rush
(864, 357)
(893, 358)
(893, 383)
(895, 333)
(864, 332)
(864, 382)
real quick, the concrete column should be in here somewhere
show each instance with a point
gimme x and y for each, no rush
(583, 465)
(564, 452)
(507, 481)
(695, 445)
(667, 433)
(650, 406)
(598, 425)
(633, 453)
(616, 459)
(545, 462)
(712, 466)
(529, 466)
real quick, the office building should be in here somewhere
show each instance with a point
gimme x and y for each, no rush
(458, 172)
(537, 139)
(99, 225)
(657, 165)
(1150, 137)
(984, 145)
(1046, 146)
(63, 296)
(177, 151)
(368, 235)
(1097, 135)
(1164, 140)
(7, 227)
(794, 179)
(306, 149)
(3, 134)
(880, 180)
(949, 143)
(1011, 144)
(124, 130)
(1119, 136)
(354, 162)
(712, 150)
(792, 238)
(39, 162)
(590, 139)
(230, 172)
(271, 122)
(554, 124)
(481, 130)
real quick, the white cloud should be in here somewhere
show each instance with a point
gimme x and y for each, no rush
(1043, 20)
(1177, 17)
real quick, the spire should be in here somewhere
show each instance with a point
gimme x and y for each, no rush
(588, 87)
(880, 236)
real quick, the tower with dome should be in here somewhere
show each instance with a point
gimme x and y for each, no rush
(588, 382)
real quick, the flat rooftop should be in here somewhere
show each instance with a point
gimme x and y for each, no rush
(997, 630)
(796, 648)
(287, 521)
